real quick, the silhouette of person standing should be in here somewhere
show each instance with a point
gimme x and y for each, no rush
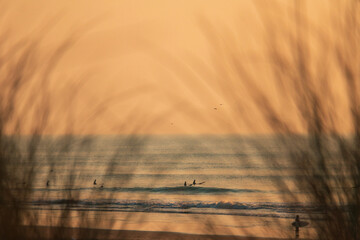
(194, 182)
(297, 226)
(185, 184)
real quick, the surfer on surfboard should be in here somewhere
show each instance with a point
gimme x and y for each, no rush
(297, 224)
(193, 184)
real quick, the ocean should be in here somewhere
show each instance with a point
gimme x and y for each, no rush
(140, 183)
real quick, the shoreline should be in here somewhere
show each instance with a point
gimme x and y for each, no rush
(47, 232)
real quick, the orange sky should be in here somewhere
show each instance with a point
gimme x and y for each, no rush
(145, 66)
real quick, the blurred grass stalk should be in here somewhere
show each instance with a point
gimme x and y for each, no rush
(24, 105)
(319, 79)
(312, 104)
(314, 108)
(29, 114)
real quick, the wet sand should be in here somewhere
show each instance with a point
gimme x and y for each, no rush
(87, 234)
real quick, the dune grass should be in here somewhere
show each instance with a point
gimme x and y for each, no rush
(312, 103)
(313, 108)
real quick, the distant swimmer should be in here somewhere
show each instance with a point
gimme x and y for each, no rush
(194, 182)
(185, 184)
(95, 182)
(102, 185)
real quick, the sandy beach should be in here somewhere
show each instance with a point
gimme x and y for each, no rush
(86, 233)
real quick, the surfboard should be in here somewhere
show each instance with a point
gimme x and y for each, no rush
(300, 224)
(196, 184)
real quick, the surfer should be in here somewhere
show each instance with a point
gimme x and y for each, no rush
(95, 182)
(194, 182)
(297, 225)
(185, 184)
(47, 183)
